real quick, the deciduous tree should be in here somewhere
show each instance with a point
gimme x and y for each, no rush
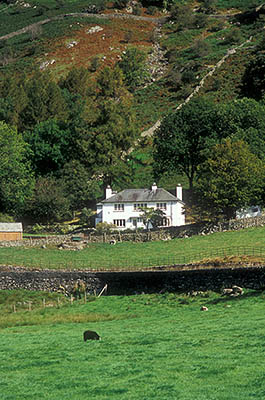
(49, 202)
(45, 101)
(133, 66)
(180, 143)
(50, 143)
(253, 82)
(152, 218)
(244, 119)
(16, 177)
(231, 178)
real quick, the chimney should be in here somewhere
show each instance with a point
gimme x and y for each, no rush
(154, 187)
(108, 192)
(179, 191)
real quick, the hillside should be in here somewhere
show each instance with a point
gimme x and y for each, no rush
(58, 37)
(192, 49)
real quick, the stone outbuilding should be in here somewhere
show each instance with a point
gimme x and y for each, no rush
(11, 231)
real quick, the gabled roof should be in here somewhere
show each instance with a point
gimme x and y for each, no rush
(141, 195)
(10, 227)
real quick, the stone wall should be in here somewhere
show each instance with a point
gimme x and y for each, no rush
(126, 283)
(144, 236)
(12, 278)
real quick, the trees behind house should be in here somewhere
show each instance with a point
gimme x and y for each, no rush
(227, 176)
(232, 177)
(181, 142)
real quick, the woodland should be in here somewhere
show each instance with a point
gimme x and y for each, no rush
(80, 89)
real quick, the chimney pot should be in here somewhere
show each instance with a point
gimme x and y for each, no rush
(179, 191)
(154, 187)
(108, 192)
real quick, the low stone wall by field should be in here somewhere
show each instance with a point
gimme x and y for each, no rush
(12, 278)
(183, 231)
(126, 283)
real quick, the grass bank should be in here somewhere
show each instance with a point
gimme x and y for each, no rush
(139, 255)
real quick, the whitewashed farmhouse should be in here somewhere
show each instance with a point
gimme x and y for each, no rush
(123, 209)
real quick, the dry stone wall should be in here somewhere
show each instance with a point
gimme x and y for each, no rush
(126, 283)
(12, 278)
(143, 236)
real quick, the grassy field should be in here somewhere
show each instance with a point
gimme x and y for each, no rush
(141, 255)
(153, 347)
(15, 16)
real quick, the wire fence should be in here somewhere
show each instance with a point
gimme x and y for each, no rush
(133, 263)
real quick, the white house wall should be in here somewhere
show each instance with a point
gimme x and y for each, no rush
(173, 212)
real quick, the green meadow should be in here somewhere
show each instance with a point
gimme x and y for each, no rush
(125, 255)
(153, 347)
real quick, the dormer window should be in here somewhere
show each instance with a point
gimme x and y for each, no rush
(118, 207)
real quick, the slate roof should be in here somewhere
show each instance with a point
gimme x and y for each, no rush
(10, 227)
(141, 195)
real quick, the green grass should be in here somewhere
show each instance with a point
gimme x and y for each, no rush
(239, 4)
(166, 348)
(132, 254)
(27, 308)
(17, 17)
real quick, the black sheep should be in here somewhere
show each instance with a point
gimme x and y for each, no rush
(91, 335)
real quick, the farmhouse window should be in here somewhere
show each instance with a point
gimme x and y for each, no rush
(161, 206)
(165, 222)
(119, 222)
(137, 206)
(118, 207)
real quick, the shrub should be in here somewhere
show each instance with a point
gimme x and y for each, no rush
(104, 227)
(86, 216)
(188, 77)
(137, 10)
(6, 218)
(128, 36)
(182, 15)
(95, 64)
(121, 3)
(200, 48)
(200, 20)
(151, 10)
(233, 36)
(216, 27)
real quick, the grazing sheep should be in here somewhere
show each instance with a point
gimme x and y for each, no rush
(237, 289)
(234, 292)
(91, 335)
(203, 308)
(227, 292)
